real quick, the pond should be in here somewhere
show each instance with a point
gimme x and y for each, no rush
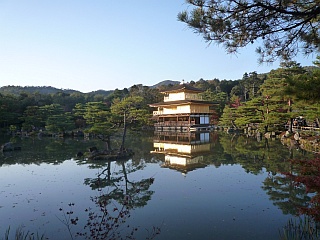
(176, 186)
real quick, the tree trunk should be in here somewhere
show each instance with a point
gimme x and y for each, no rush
(266, 144)
(125, 175)
(245, 94)
(318, 122)
(109, 171)
(253, 92)
(124, 133)
(291, 124)
(108, 143)
(233, 124)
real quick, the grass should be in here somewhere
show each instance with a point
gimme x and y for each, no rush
(305, 228)
(20, 234)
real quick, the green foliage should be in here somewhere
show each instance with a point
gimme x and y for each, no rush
(219, 98)
(248, 87)
(283, 28)
(305, 86)
(115, 94)
(317, 61)
(310, 112)
(267, 99)
(98, 118)
(16, 90)
(131, 110)
(287, 92)
(226, 85)
(32, 118)
(249, 112)
(228, 117)
(60, 123)
(150, 95)
(49, 110)
(9, 111)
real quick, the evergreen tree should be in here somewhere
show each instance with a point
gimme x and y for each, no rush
(129, 111)
(283, 28)
(32, 118)
(99, 119)
(60, 123)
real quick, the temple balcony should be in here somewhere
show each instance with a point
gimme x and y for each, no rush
(174, 123)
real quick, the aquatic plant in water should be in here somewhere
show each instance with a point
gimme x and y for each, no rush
(306, 228)
(20, 234)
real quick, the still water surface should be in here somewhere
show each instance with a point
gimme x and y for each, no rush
(208, 186)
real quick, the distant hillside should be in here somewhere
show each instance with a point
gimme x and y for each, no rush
(166, 83)
(310, 68)
(101, 92)
(16, 90)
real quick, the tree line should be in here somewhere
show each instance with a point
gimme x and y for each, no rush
(268, 100)
(285, 93)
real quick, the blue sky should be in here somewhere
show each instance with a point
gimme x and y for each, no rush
(107, 44)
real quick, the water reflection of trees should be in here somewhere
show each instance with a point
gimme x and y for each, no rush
(45, 150)
(117, 189)
(225, 149)
(271, 156)
(254, 156)
(120, 187)
(36, 150)
(118, 195)
(307, 173)
(141, 143)
(117, 184)
(285, 193)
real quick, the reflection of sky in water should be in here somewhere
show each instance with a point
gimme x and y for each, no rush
(32, 194)
(211, 203)
(206, 203)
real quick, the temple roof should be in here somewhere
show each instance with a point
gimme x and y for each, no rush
(183, 88)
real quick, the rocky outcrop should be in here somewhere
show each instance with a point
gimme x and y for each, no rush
(310, 143)
(306, 142)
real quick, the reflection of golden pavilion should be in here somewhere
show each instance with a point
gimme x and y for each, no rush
(183, 151)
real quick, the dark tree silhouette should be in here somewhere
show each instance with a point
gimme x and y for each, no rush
(116, 197)
(283, 27)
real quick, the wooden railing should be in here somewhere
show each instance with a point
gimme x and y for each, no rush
(304, 128)
(174, 124)
(157, 113)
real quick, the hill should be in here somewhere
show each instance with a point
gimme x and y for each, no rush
(165, 82)
(16, 90)
(101, 92)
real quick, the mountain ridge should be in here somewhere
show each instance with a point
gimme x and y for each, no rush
(16, 90)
